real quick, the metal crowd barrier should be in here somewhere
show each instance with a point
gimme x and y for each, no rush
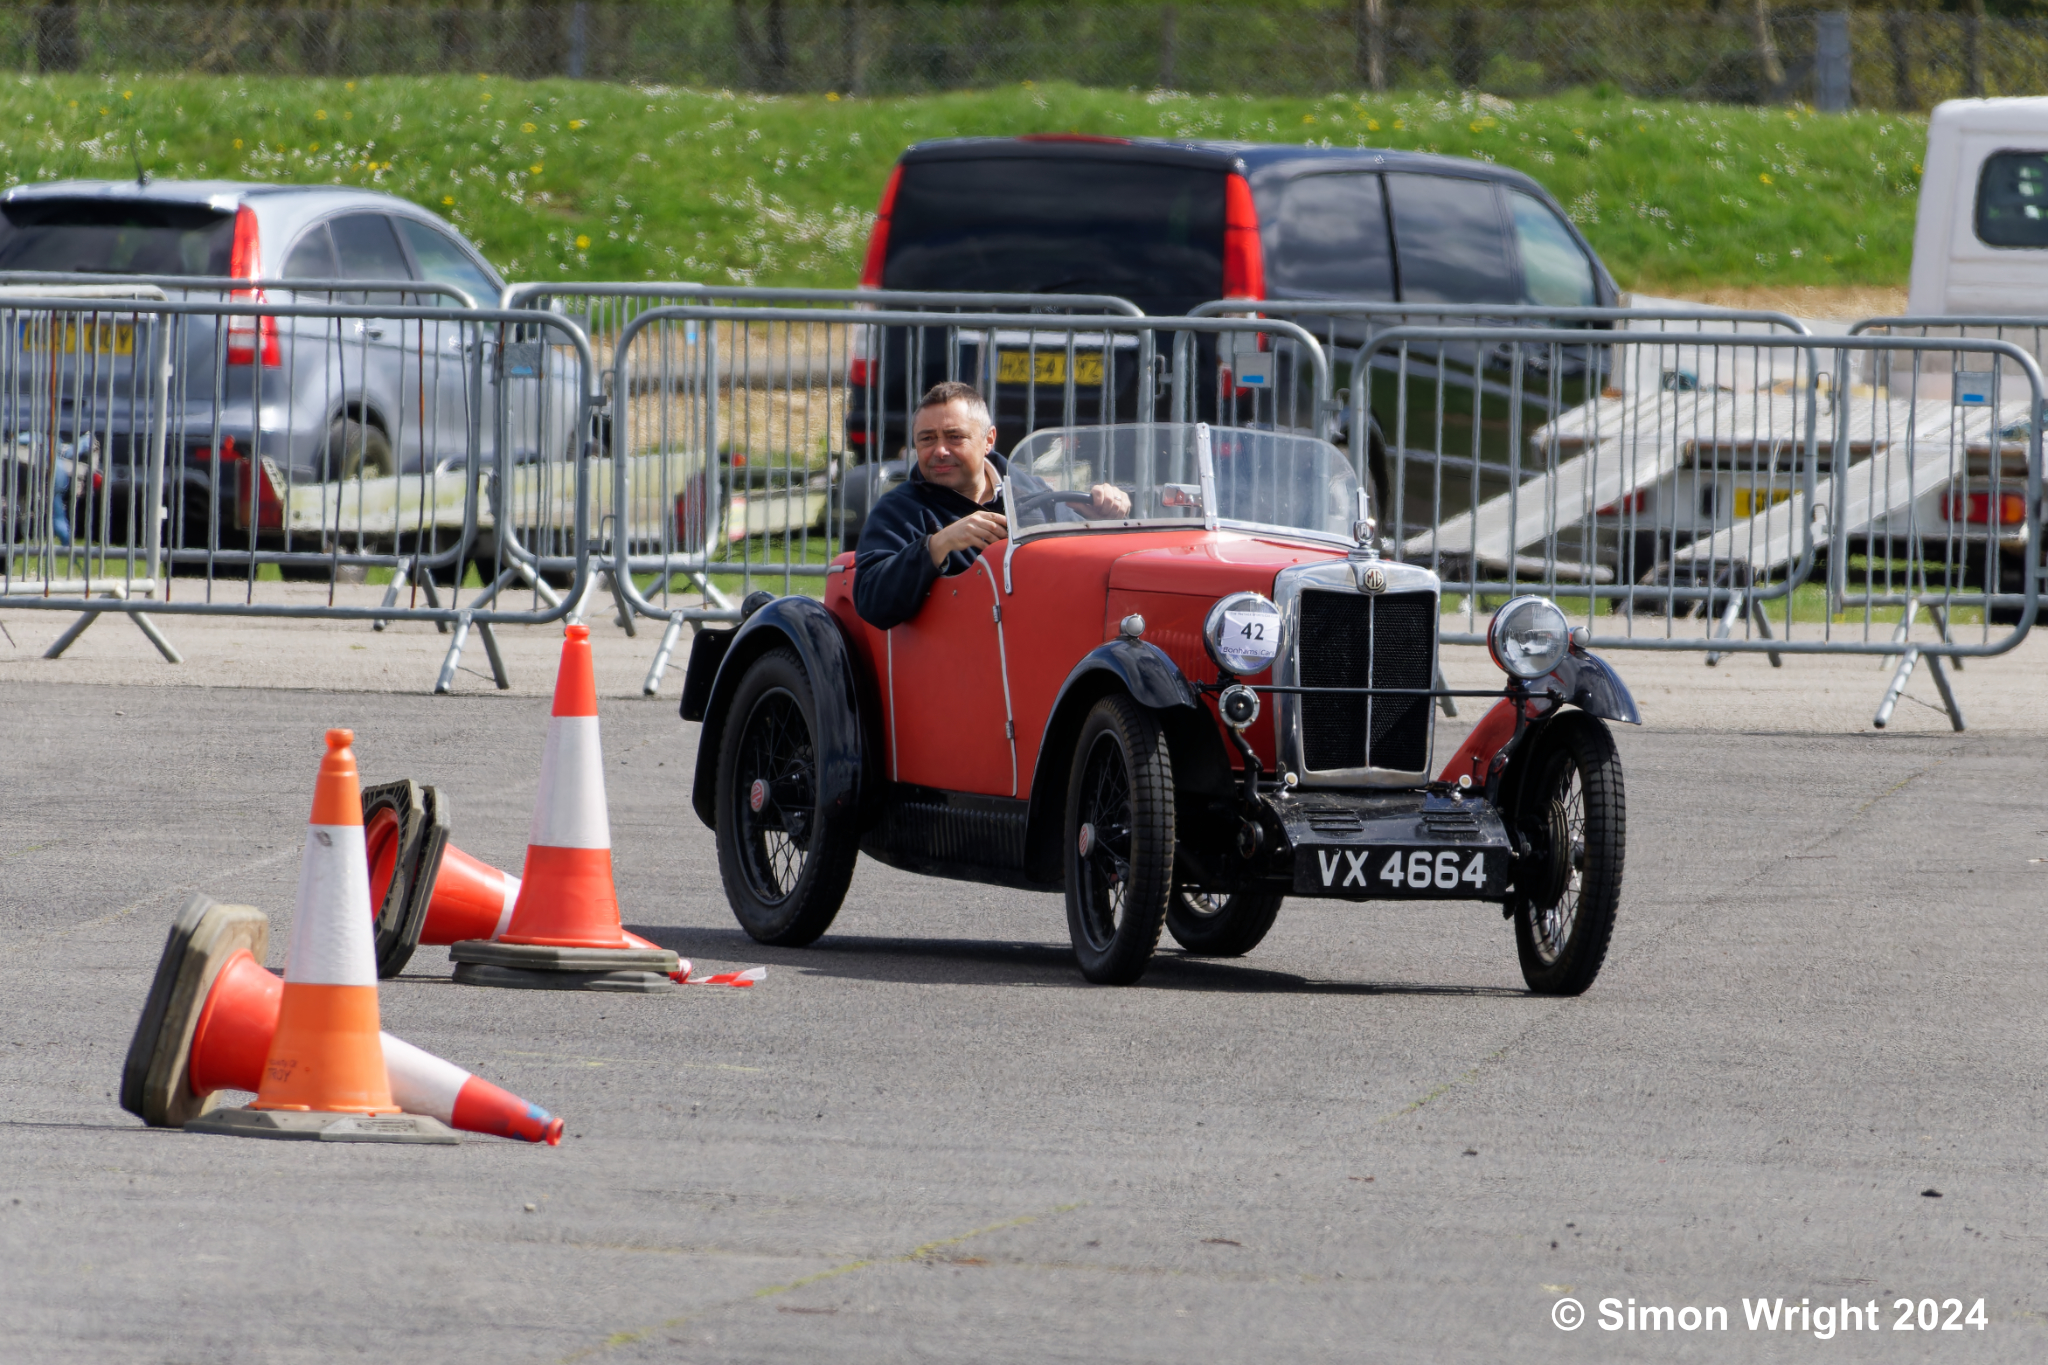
(1767, 506)
(733, 480)
(170, 455)
(912, 357)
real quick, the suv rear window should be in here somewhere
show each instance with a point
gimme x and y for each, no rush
(1150, 233)
(115, 237)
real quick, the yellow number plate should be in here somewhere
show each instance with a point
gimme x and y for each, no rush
(1048, 367)
(1750, 501)
(74, 335)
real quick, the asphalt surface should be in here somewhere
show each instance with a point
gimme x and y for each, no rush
(927, 1138)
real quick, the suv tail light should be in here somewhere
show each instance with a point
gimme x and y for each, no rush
(1976, 508)
(878, 238)
(860, 371)
(245, 262)
(1244, 257)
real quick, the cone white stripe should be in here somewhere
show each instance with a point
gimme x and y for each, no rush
(331, 933)
(511, 901)
(570, 812)
(421, 1083)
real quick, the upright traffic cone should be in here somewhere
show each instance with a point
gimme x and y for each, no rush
(325, 1068)
(565, 931)
(213, 1013)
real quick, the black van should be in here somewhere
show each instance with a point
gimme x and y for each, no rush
(1169, 225)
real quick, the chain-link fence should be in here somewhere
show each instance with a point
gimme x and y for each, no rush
(1831, 59)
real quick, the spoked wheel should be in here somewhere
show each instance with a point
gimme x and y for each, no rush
(785, 862)
(1119, 828)
(1572, 812)
(1213, 924)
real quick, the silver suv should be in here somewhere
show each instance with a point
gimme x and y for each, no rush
(339, 399)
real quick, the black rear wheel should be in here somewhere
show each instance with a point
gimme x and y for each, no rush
(1211, 924)
(1572, 811)
(1119, 828)
(784, 860)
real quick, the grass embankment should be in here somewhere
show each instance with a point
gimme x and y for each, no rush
(576, 180)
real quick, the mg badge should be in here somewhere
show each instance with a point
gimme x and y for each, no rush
(1374, 579)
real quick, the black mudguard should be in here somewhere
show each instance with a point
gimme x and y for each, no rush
(1594, 687)
(1132, 666)
(840, 744)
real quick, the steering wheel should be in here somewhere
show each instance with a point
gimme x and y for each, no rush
(1051, 496)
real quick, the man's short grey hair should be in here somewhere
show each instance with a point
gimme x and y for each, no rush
(953, 391)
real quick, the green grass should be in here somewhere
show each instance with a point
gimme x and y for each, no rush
(577, 180)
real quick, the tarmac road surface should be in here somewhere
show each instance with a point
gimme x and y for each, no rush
(927, 1138)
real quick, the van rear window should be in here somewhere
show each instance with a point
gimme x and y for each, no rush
(115, 237)
(2012, 199)
(1150, 233)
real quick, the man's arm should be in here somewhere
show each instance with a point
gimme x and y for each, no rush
(893, 568)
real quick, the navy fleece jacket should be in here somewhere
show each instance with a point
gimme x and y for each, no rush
(893, 569)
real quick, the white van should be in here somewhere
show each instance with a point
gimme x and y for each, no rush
(1980, 246)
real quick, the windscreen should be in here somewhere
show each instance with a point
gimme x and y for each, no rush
(1260, 479)
(1060, 225)
(115, 237)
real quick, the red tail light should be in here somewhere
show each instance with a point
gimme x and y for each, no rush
(1073, 137)
(245, 262)
(1976, 508)
(1638, 501)
(878, 239)
(1244, 257)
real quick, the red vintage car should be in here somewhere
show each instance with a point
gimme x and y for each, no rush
(1181, 718)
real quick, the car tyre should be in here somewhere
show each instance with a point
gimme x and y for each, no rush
(354, 448)
(1119, 841)
(785, 860)
(1211, 925)
(1572, 811)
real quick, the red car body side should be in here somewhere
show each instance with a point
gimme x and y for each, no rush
(988, 665)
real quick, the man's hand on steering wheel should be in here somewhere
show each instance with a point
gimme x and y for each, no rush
(1102, 502)
(1109, 501)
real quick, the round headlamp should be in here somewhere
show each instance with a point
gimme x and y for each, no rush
(1529, 637)
(1242, 633)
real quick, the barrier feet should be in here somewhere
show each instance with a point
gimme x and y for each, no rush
(669, 636)
(445, 684)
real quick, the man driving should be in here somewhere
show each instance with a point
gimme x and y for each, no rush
(947, 512)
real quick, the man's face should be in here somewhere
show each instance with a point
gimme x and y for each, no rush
(952, 447)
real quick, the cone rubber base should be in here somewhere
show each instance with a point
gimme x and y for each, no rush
(535, 958)
(154, 1082)
(628, 982)
(423, 826)
(293, 1126)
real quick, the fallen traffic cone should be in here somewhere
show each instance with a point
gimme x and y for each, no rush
(212, 1015)
(426, 889)
(565, 932)
(325, 1067)
(405, 832)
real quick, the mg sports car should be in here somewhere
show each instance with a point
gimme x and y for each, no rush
(1180, 718)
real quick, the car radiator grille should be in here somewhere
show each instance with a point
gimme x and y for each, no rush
(1355, 640)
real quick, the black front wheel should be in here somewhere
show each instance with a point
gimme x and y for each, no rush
(1572, 813)
(1215, 924)
(785, 860)
(1119, 837)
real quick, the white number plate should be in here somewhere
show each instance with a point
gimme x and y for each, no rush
(1450, 873)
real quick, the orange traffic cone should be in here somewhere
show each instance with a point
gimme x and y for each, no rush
(565, 931)
(325, 1070)
(426, 889)
(218, 1038)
